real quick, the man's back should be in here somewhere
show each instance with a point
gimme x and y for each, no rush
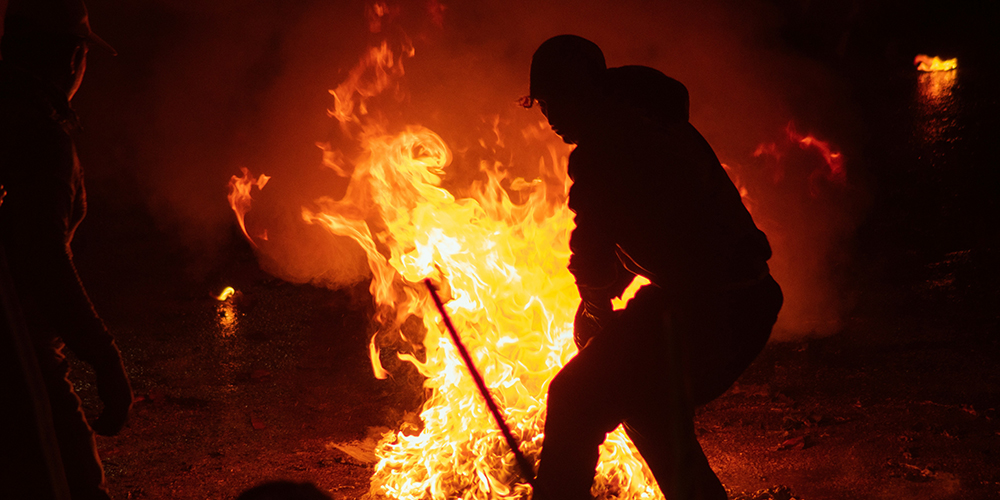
(659, 195)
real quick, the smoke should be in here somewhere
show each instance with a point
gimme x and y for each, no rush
(201, 89)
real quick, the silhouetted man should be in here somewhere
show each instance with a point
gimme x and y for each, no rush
(650, 198)
(44, 51)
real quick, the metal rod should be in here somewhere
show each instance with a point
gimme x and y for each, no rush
(522, 462)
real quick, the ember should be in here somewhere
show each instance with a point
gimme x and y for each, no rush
(226, 293)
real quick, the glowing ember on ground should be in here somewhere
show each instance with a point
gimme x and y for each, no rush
(926, 63)
(225, 310)
(226, 293)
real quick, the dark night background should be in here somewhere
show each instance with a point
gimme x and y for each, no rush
(899, 401)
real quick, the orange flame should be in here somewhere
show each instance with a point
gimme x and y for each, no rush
(503, 272)
(239, 197)
(376, 72)
(375, 12)
(926, 63)
(502, 268)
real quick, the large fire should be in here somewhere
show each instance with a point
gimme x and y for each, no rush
(502, 269)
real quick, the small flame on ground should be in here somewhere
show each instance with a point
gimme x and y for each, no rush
(226, 293)
(927, 63)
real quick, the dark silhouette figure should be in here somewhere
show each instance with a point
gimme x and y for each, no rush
(44, 50)
(652, 199)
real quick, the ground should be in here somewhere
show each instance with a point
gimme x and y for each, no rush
(900, 404)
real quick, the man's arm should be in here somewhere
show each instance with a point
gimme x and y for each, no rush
(600, 275)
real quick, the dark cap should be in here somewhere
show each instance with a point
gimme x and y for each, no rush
(51, 17)
(565, 62)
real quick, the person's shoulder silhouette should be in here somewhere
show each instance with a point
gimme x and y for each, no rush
(648, 90)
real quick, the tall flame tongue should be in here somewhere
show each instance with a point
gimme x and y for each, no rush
(503, 272)
(239, 197)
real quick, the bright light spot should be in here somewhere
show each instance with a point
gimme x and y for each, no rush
(226, 293)
(633, 287)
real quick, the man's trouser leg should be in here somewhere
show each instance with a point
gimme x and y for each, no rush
(708, 344)
(583, 406)
(667, 442)
(661, 422)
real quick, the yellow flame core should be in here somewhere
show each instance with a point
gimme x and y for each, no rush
(630, 291)
(927, 63)
(504, 268)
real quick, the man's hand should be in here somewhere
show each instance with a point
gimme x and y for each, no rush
(591, 320)
(116, 394)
